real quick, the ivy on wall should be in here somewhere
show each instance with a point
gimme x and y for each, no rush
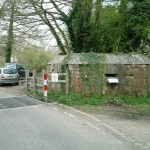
(92, 76)
(92, 58)
(84, 58)
(91, 70)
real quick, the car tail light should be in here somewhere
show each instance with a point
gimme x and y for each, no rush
(2, 76)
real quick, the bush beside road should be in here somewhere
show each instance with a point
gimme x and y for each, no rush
(122, 106)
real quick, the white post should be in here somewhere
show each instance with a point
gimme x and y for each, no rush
(45, 86)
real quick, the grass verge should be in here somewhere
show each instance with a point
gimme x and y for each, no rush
(125, 106)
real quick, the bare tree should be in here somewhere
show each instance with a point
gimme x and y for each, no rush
(52, 14)
(70, 22)
(18, 25)
(9, 44)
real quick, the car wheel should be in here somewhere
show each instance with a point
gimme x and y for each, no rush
(17, 83)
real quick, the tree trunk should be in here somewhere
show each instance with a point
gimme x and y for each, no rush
(9, 44)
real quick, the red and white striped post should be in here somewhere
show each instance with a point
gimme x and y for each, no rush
(45, 86)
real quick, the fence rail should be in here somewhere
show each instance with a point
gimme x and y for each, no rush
(35, 85)
(66, 80)
(40, 85)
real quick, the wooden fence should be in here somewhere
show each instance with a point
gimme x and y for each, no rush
(35, 85)
(52, 80)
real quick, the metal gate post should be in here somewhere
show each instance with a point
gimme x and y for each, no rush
(27, 82)
(34, 83)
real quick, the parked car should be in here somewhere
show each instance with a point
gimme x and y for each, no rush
(20, 68)
(9, 75)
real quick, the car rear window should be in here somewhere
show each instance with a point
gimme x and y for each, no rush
(9, 71)
(10, 66)
(20, 67)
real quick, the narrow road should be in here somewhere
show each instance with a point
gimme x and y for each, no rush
(48, 127)
(41, 127)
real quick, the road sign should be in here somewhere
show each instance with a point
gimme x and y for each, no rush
(54, 77)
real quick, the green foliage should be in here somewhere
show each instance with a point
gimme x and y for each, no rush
(9, 44)
(113, 28)
(136, 21)
(2, 56)
(83, 25)
(88, 58)
(93, 27)
(92, 78)
(33, 58)
(92, 58)
(8, 50)
(74, 99)
(110, 30)
(1, 13)
(10, 36)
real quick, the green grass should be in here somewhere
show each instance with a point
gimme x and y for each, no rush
(76, 99)
(126, 106)
(39, 94)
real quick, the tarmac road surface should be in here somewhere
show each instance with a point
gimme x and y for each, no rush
(43, 127)
(54, 127)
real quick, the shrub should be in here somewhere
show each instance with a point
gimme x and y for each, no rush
(76, 99)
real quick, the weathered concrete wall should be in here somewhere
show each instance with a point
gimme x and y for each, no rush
(87, 79)
(136, 79)
(133, 79)
(148, 75)
(92, 79)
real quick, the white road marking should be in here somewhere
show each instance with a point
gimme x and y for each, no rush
(92, 125)
(90, 116)
(143, 146)
(66, 113)
(55, 108)
(69, 114)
